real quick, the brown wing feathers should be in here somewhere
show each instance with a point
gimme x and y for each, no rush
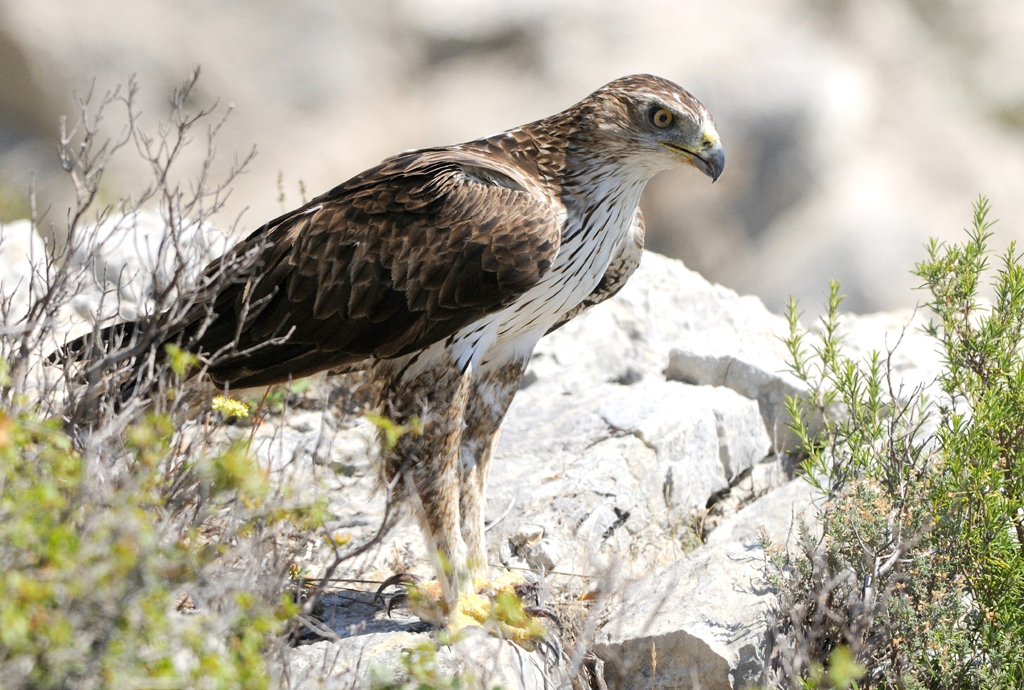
(398, 258)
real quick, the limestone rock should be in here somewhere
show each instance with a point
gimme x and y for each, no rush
(22, 262)
(742, 438)
(664, 306)
(113, 271)
(370, 645)
(132, 257)
(757, 381)
(704, 616)
(617, 469)
(352, 662)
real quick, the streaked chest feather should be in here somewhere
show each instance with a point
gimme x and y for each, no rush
(594, 228)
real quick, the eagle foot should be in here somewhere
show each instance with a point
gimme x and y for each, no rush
(495, 605)
(398, 598)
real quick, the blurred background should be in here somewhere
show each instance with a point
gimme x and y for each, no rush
(854, 129)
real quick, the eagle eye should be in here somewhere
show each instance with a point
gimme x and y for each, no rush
(661, 118)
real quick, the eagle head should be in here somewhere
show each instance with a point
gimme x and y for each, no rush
(651, 124)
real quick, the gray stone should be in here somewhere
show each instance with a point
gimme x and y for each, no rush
(113, 268)
(526, 536)
(775, 513)
(615, 469)
(704, 616)
(742, 438)
(664, 306)
(22, 266)
(681, 429)
(369, 647)
(305, 422)
(767, 382)
(546, 554)
(24, 281)
(132, 257)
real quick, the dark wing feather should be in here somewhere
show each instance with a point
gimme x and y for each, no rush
(388, 263)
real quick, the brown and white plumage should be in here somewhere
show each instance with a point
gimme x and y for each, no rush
(440, 269)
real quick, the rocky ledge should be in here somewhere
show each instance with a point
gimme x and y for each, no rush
(642, 460)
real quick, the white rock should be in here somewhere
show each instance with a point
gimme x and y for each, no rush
(616, 469)
(682, 431)
(742, 438)
(664, 306)
(25, 275)
(527, 536)
(133, 257)
(767, 383)
(705, 614)
(22, 267)
(355, 659)
(546, 554)
(305, 422)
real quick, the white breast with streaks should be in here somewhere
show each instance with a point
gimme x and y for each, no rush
(594, 228)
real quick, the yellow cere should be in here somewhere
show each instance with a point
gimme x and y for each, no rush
(230, 407)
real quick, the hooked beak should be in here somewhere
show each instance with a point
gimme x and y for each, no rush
(709, 158)
(710, 161)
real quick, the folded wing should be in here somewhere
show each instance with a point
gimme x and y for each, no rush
(388, 263)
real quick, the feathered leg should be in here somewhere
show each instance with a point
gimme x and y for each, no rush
(489, 400)
(424, 461)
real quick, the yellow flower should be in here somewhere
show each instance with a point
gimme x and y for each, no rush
(230, 407)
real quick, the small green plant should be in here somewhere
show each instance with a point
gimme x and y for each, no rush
(916, 563)
(390, 431)
(180, 362)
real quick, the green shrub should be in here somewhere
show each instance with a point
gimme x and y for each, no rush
(97, 565)
(916, 565)
(140, 547)
(978, 492)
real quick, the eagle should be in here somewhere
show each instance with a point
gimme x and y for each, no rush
(440, 269)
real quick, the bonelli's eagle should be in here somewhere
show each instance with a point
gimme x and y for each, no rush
(440, 269)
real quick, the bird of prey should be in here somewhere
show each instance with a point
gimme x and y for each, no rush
(439, 270)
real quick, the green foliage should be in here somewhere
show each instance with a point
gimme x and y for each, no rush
(978, 496)
(846, 444)
(181, 362)
(917, 564)
(840, 671)
(93, 571)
